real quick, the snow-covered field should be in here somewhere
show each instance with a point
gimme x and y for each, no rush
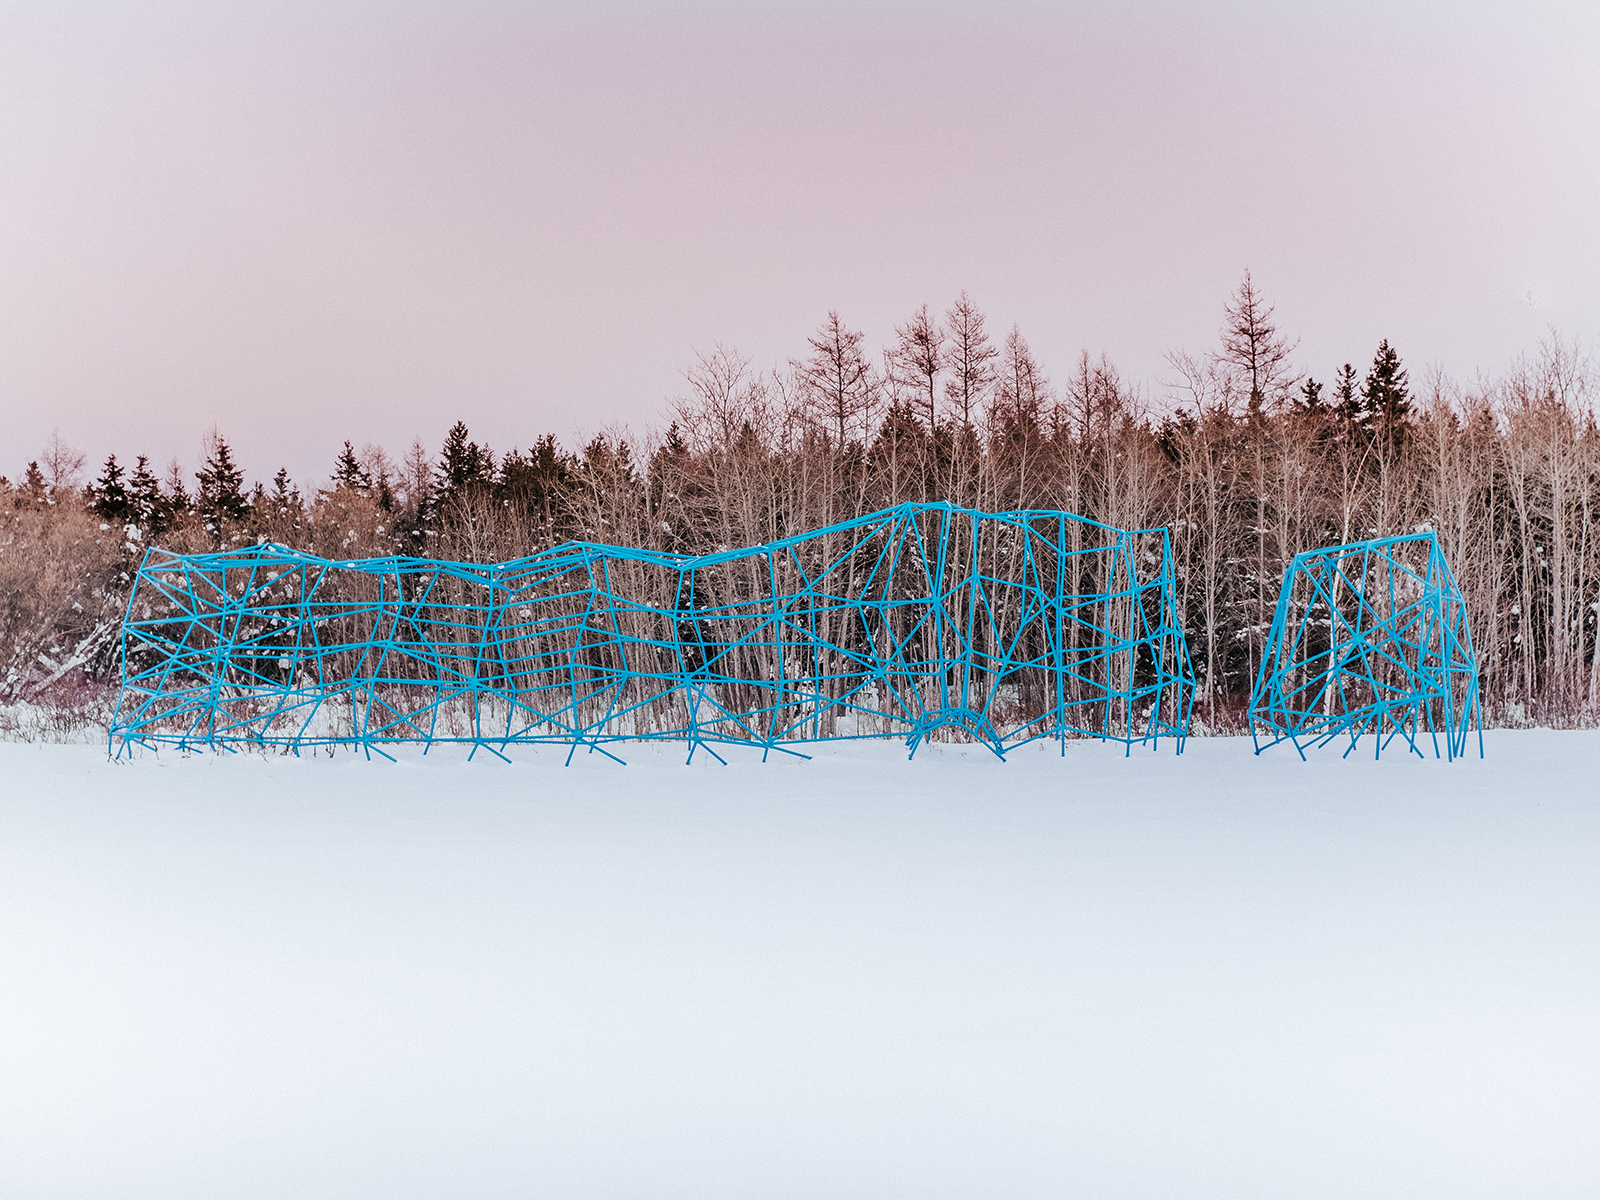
(1212, 975)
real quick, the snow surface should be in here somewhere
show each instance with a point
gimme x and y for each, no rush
(1213, 975)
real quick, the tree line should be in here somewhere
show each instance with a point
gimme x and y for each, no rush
(1242, 457)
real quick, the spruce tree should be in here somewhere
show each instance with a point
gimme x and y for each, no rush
(221, 499)
(464, 466)
(110, 499)
(144, 498)
(176, 503)
(1347, 405)
(348, 471)
(1387, 400)
(33, 483)
(284, 495)
(282, 504)
(534, 482)
(901, 452)
(673, 447)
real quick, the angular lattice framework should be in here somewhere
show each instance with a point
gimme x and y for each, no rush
(885, 625)
(1369, 637)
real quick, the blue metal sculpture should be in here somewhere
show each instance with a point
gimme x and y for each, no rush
(880, 626)
(1369, 637)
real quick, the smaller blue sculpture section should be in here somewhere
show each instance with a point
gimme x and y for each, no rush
(1369, 637)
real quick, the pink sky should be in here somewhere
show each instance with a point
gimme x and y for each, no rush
(316, 222)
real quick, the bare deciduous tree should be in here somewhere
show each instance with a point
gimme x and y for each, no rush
(63, 465)
(970, 358)
(917, 361)
(1253, 347)
(841, 386)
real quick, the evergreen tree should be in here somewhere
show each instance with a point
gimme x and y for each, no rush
(1387, 400)
(109, 498)
(673, 446)
(902, 454)
(536, 482)
(221, 496)
(464, 466)
(416, 478)
(674, 486)
(282, 506)
(176, 503)
(1175, 433)
(1347, 405)
(284, 495)
(1311, 397)
(149, 511)
(348, 471)
(33, 484)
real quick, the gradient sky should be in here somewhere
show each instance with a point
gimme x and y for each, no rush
(310, 222)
